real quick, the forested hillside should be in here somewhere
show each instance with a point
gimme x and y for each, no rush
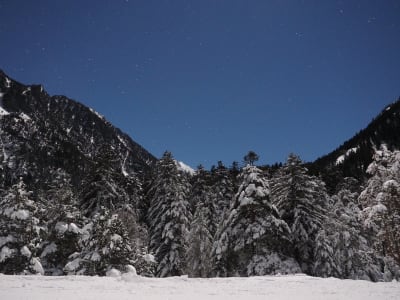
(78, 196)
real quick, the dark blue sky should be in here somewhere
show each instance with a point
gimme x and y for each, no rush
(210, 80)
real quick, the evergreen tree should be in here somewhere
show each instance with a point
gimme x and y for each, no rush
(144, 260)
(63, 220)
(300, 200)
(20, 232)
(381, 203)
(250, 158)
(222, 191)
(169, 217)
(199, 186)
(201, 195)
(253, 240)
(234, 169)
(351, 253)
(106, 247)
(200, 244)
(109, 186)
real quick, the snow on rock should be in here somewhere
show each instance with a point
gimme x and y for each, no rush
(122, 141)
(28, 89)
(342, 158)
(123, 168)
(96, 113)
(8, 82)
(3, 112)
(299, 287)
(25, 117)
(185, 168)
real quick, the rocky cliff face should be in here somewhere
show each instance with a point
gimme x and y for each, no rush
(40, 133)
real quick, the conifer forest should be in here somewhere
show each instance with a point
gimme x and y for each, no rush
(78, 196)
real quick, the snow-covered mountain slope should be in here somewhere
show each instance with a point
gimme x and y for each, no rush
(53, 132)
(352, 158)
(184, 167)
(127, 287)
(73, 121)
(343, 157)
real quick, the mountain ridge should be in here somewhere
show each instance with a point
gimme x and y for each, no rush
(352, 157)
(76, 134)
(72, 118)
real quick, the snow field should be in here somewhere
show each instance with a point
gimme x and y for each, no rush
(128, 286)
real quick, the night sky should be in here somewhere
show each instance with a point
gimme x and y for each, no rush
(211, 79)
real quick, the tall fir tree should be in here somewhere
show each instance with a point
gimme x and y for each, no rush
(201, 195)
(106, 246)
(381, 203)
(63, 222)
(222, 191)
(108, 185)
(20, 232)
(253, 240)
(169, 218)
(301, 200)
(342, 248)
(200, 243)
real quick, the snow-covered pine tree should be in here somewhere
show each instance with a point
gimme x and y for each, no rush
(254, 240)
(200, 239)
(64, 221)
(199, 183)
(20, 232)
(201, 193)
(224, 185)
(222, 191)
(107, 185)
(106, 247)
(301, 200)
(335, 241)
(144, 261)
(381, 203)
(169, 217)
(341, 247)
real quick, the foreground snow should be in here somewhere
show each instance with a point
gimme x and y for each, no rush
(131, 287)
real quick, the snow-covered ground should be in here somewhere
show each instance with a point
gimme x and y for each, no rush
(176, 288)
